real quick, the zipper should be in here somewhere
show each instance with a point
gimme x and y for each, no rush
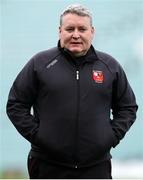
(77, 75)
(76, 140)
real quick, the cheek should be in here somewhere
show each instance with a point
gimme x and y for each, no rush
(61, 36)
(64, 41)
(64, 37)
(88, 40)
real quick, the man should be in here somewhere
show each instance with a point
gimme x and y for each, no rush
(72, 89)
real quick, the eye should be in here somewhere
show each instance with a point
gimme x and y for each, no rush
(82, 29)
(69, 29)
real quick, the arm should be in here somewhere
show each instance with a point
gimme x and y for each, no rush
(124, 105)
(21, 98)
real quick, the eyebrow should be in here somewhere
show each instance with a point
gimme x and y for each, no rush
(72, 26)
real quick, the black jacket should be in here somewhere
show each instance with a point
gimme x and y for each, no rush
(72, 103)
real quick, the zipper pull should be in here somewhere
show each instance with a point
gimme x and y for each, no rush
(77, 75)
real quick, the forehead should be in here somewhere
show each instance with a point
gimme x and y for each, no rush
(74, 19)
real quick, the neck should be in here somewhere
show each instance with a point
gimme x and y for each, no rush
(79, 54)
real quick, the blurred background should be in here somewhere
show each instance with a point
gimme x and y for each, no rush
(30, 26)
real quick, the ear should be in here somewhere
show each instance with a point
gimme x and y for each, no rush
(59, 29)
(93, 32)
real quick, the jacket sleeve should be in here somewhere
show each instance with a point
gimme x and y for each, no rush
(124, 105)
(21, 98)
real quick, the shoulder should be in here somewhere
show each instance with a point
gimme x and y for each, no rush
(38, 61)
(42, 58)
(48, 54)
(108, 60)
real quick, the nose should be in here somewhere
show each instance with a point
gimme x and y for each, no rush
(75, 35)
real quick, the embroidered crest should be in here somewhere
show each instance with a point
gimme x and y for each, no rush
(98, 76)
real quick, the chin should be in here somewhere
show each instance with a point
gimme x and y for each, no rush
(77, 52)
(73, 50)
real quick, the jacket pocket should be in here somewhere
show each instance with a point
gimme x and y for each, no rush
(105, 138)
(115, 140)
(96, 140)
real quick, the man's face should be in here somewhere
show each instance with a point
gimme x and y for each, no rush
(76, 34)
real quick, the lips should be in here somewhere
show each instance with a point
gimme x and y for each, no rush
(75, 43)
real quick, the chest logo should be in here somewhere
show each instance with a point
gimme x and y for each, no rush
(52, 63)
(98, 76)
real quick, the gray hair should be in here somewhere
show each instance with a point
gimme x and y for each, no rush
(78, 10)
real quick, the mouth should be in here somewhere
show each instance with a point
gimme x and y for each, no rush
(76, 43)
